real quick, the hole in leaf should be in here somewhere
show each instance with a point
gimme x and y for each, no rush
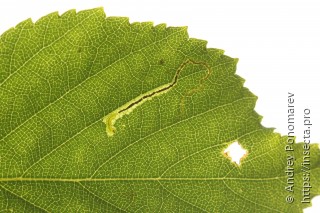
(235, 152)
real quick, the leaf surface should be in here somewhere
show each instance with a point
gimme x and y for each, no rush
(60, 76)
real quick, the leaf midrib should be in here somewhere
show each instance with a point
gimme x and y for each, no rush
(137, 179)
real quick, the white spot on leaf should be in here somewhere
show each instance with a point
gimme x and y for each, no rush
(235, 152)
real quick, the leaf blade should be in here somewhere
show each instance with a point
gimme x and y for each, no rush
(55, 155)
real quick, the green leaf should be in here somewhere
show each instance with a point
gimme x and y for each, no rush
(171, 106)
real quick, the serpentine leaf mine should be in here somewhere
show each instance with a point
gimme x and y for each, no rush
(125, 109)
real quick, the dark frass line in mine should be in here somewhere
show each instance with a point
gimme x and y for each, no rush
(111, 118)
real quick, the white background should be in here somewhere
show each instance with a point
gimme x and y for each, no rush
(277, 42)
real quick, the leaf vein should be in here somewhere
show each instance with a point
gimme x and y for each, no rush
(184, 120)
(202, 150)
(100, 198)
(176, 196)
(13, 193)
(251, 201)
(85, 80)
(43, 48)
